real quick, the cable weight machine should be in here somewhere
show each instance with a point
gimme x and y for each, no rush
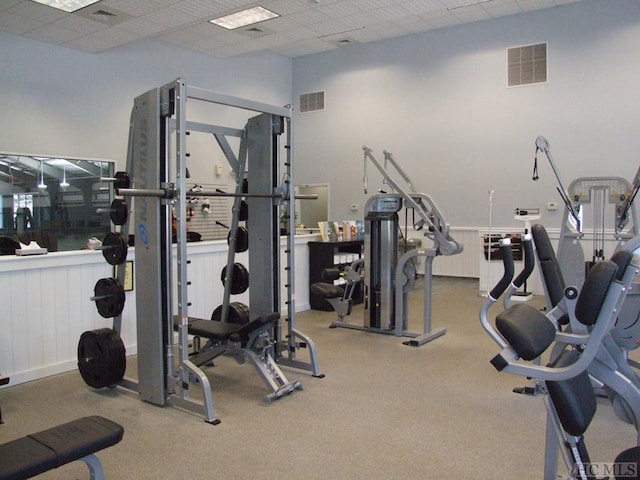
(593, 192)
(387, 278)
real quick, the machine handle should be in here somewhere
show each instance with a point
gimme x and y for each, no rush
(507, 261)
(529, 262)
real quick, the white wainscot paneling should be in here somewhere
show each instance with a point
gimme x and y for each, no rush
(45, 306)
(464, 264)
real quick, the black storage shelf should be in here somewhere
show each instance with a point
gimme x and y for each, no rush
(323, 255)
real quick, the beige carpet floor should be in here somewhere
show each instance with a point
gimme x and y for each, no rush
(383, 411)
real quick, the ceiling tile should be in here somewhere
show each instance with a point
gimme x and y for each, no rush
(54, 34)
(17, 24)
(304, 26)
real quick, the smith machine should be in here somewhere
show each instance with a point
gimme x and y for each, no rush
(156, 177)
(387, 278)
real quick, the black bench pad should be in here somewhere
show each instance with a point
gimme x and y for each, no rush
(326, 290)
(221, 331)
(37, 453)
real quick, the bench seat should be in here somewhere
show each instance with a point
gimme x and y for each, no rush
(40, 452)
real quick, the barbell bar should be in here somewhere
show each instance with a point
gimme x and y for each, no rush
(170, 193)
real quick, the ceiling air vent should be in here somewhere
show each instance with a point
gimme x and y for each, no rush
(103, 14)
(310, 102)
(527, 65)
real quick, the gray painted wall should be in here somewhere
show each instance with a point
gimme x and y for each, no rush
(439, 102)
(58, 101)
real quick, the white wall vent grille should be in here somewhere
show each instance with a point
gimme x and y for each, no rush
(527, 65)
(310, 102)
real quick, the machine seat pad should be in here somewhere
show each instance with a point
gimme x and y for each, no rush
(327, 290)
(37, 453)
(212, 329)
(222, 331)
(573, 399)
(526, 329)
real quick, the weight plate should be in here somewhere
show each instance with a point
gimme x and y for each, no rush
(102, 358)
(239, 278)
(238, 313)
(109, 297)
(119, 212)
(244, 211)
(122, 180)
(114, 248)
(242, 239)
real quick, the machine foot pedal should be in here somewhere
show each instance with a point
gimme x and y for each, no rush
(525, 391)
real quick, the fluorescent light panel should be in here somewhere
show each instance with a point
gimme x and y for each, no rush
(67, 5)
(244, 18)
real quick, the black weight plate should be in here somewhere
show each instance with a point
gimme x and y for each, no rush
(110, 297)
(239, 278)
(102, 358)
(238, 313)
(244, 211)
(114, 248)
(119, 212)
(122, 180)
(242, 239)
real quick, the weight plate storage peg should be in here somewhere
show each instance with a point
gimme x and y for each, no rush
(238, 313)
(119, 211)
(114, 248)
(102, 358)
(122, 180)
(239, 279)
(109, 297)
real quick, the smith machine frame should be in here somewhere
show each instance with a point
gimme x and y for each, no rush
(157, 164)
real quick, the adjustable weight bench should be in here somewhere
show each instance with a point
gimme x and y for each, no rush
(249, 341)
(40, 452)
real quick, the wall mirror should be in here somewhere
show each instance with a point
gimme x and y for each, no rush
(54, 200)
(310, 212)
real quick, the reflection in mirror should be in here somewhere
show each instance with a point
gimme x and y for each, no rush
(53, 200)
(310, 212)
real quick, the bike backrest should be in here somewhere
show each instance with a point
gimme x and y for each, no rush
(594, 291)
(549, 266)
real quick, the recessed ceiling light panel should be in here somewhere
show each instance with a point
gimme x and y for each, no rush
(244, 18)
(67, 5)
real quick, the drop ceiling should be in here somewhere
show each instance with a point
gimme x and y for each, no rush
(304, 26)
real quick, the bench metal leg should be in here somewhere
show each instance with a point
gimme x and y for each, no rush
(272, 376)
(95, 467)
